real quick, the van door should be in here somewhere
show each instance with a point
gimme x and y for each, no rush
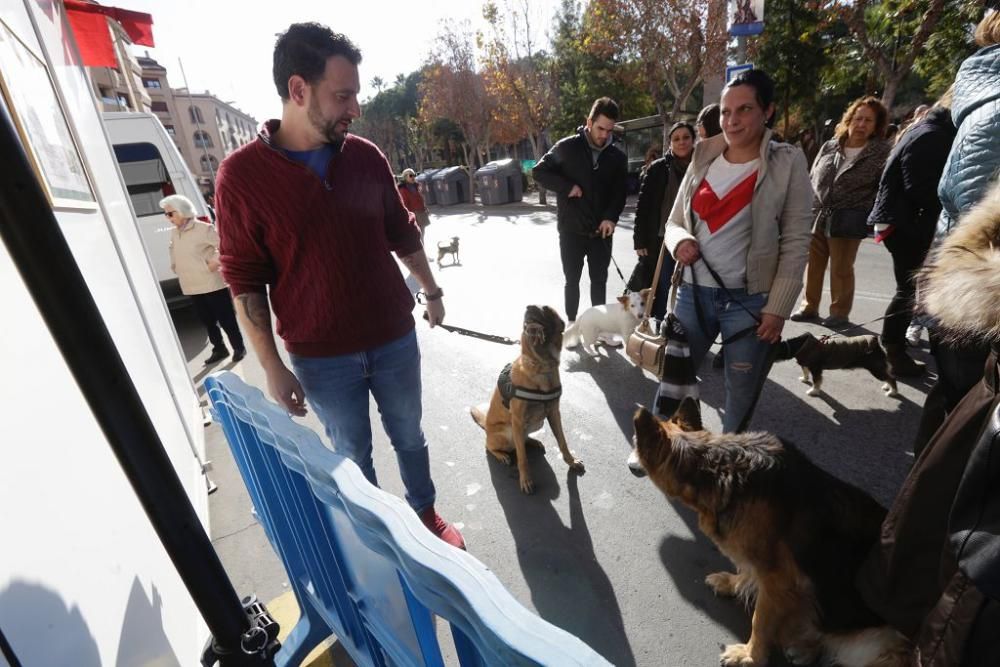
(148, 181)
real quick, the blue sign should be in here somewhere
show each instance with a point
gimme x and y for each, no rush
(733, 70)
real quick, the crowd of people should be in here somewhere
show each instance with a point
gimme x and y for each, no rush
(743, 222)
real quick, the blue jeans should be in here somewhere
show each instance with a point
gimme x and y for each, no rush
(338, 387)
(748, 358)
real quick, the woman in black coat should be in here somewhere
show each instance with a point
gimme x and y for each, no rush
(656, 197)
(905, 216)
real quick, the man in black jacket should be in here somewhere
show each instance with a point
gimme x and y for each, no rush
(587, 173)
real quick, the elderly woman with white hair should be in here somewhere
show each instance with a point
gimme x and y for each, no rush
(413, 200)
(194, 257)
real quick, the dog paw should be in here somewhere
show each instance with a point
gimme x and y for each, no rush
(722, 584)
(890, 391)
(502, 457)
(813, 392)
(804, 380)
(527, 485)
(737, 655)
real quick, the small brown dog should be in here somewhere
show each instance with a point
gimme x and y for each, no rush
(448, 248)
(816, 355)
(527, 394)
(796, 534)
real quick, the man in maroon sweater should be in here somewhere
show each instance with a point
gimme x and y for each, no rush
(309, 215)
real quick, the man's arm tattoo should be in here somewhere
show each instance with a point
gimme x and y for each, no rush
(256, 309)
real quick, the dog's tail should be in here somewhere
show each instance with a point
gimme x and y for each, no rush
(871, 647)
(571, 337)
(478, 413)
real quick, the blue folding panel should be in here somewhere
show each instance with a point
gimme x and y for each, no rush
(362, 565)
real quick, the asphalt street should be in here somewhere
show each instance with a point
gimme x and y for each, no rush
(603, 555)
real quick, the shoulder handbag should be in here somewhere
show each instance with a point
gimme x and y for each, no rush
(849, 223)
(645, 347)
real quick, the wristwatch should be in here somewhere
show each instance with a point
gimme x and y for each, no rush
(434, 296)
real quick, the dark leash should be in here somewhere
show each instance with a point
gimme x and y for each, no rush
(502, 340)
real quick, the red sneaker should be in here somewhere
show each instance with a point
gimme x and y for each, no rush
(442, 528)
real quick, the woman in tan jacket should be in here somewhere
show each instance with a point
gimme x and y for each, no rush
(194, 257)
(743, 209)
(845, 179)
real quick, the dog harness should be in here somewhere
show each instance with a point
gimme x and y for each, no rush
(509, 390)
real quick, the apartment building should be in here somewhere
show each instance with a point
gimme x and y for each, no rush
(120, 88)
(205, 128)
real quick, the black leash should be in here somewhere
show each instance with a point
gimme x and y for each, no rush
(502, 340)
(701, 318)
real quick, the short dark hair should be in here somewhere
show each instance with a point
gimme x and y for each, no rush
(303, 49)
(607, 107)
(708, 118)
(762, 84)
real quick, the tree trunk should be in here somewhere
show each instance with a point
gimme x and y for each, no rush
(536, 150)
(891, 86)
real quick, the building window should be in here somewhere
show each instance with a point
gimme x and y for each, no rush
(170, 130)
(209, 163)
(145, 175)
(202, 139)
(151, 83)
(160, 107)
(196, 116)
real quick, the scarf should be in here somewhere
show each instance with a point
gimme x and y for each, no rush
(675, 174)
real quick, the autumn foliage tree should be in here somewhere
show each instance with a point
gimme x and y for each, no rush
(675, 44)
(519, 75)
(453, 88)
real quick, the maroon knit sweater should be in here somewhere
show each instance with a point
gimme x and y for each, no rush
(321, 247)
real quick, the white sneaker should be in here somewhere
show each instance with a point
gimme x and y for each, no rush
(913, 333)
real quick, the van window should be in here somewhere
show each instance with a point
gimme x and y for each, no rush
(146, 176)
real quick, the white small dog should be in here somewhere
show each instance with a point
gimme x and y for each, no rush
(619, 318)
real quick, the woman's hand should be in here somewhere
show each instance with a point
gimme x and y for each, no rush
(641, 252)
(770, 328)
(687, 252)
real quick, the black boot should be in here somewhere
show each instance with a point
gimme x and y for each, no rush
(901, 365)
(218, 354)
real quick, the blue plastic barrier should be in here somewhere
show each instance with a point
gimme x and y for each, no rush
(362, 565)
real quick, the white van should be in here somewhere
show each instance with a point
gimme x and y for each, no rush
(153, 168)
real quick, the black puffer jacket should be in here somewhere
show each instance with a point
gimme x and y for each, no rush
(907, 193)
(649, 206)
(569, 163)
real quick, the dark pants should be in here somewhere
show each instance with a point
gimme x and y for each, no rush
(905, 263)
(646, 269)
(960, 368)
(215, 309)
(573, 249)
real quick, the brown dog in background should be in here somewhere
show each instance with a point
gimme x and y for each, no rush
(816, 355)
(527, 394)
(796, 534)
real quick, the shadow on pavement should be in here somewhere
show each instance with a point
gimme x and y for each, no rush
(568, 586)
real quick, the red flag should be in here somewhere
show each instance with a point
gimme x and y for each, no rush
(93, 37)
(139, 26)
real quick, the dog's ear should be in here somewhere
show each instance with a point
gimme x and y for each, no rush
(648, 430)
(645, 292)
(623, 300)
(688, 415)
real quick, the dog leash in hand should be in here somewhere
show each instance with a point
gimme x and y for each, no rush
(502, 340)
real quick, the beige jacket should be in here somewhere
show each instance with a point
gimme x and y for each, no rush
(192, 247)
(782, 219)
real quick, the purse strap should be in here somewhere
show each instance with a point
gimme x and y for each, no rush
(674, 282)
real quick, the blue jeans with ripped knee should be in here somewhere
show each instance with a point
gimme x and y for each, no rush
(747, 357)
(338, 389)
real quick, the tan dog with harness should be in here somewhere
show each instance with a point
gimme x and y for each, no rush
(527, 394)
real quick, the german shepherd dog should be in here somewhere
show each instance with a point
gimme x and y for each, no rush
(527, 394)
(796, 534)
(816, 355)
